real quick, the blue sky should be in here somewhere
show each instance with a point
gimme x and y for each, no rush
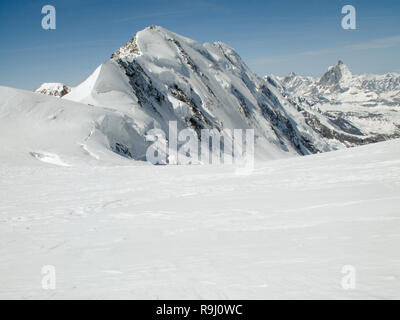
(271, 36)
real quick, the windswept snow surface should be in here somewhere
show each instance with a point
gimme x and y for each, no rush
(203, 232)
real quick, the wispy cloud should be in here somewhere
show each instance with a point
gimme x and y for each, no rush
(60, 45)
(387, 42)
(380, 43)
(153, 15)
(272, 59)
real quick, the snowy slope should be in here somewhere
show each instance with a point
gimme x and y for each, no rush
(354, 109)
(63, 132)
(38, 127)
(204, 232)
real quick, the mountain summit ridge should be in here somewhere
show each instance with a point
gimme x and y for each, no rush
(160, 76)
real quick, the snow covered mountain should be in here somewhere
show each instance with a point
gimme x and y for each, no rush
(155, 78)
(54, 89)
(354, 109)
(160, 76)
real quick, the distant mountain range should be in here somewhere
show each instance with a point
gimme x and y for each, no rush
(354, 109)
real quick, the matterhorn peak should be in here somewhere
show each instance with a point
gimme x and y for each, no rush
(335, 74)
(289, 77)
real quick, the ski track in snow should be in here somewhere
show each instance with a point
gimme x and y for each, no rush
(205, 232)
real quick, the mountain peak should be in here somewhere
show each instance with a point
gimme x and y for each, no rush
(160, 76)
(152, 38)
(155, 27)
(335, 74)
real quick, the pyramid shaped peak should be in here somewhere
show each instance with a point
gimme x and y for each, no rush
(152, 33)
(335, 74)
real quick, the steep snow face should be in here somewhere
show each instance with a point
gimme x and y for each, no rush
(352, 109)
(54, 89)
(160, 76)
